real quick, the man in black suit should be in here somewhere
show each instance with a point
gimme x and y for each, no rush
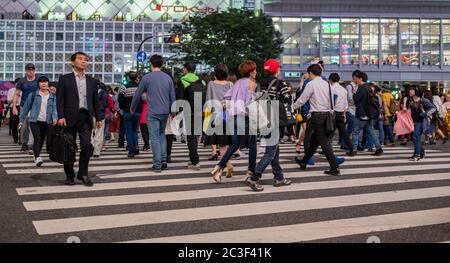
(78, 103)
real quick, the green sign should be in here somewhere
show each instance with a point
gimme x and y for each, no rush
(290, 74)
(331, 27)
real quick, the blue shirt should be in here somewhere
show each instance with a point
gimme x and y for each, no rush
(160, 93)
(27, 87)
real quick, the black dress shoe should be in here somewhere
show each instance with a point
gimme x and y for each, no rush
(130, 155)
(164, 166)
(334, 172)
(378, 152)
(136, 152)
(86, 181)
(69, 181)
(300, 163)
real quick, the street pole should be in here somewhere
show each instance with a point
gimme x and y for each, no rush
(139, 49)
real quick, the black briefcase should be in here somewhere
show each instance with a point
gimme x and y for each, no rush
(63, 146)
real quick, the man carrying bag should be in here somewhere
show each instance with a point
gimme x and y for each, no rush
(318, 93)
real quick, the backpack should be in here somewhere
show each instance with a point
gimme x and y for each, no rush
(393, 106)
(373, 109)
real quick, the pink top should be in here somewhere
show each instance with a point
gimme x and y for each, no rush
(143, 119)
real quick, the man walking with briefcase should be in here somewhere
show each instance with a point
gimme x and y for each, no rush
(78, 103)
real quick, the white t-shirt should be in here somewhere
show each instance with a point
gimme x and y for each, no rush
(341, 102)
(43, 111)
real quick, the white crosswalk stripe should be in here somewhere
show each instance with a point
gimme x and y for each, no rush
(128, 197)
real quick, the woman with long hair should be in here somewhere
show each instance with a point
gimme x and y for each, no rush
(421, 110)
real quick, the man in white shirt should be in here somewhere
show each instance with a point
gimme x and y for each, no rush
(317, 92)
(341, 108)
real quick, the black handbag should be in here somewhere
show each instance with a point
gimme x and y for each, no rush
(330, 124)
(63, 146)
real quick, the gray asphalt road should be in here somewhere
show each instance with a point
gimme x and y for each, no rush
(385, 197)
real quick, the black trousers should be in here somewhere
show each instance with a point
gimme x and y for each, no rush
(39, 131)
(192, 142)
(145, 135)
(83, 128)
(340, 125)
(320, 138)
(308, 135)
(14, 122)
(121, 133)
(169, 140)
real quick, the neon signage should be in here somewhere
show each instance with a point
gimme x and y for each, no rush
(177, 8)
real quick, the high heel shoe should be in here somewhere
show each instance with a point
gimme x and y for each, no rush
(215, 157)
(229, 170)
(217, 174)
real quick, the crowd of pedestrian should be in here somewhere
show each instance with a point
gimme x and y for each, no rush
(213, 109)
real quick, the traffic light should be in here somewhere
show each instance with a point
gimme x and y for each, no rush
(172, 39)
(125, 80)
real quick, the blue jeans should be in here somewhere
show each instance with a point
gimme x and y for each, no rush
(350, 119)
(236, 141)
(417, 139)
(361, 125)
(131, 123)
(388, 130)
(272, 157)
(156, 127)
(379, 124)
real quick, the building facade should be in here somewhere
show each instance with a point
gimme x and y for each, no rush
(400, 40)
(47, 32)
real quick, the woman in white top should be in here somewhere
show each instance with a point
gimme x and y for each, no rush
(40, 106)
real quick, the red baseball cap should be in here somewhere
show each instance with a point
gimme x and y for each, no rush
(271, 66)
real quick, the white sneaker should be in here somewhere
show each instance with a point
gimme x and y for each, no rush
(195, 167)
(38, 161)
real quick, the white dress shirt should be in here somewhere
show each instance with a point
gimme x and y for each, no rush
(317, 92)
(82, 90)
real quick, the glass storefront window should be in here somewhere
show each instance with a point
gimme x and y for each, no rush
(69, 36)
(98, 27)
(69, 46)
(350, 41)
(431, 42)
(291, 34)
(331, 28)
(369, 34)
(29, 46)
(311, 35)
(19, 46)
(39, 25)
(49, 36)
(446, 41)
(9, 35)
(39, 36)
(409, 32)
(389, 43)
(69, 26)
